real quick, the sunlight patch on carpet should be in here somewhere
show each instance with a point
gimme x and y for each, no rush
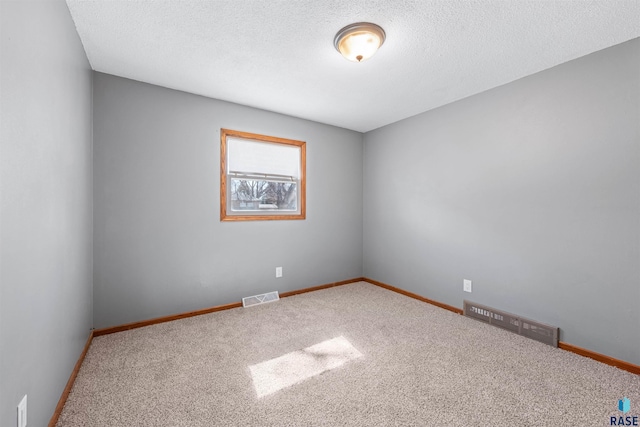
(297, 366)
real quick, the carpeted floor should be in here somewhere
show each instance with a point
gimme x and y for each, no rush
(400, 362)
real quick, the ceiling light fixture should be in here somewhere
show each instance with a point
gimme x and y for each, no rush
(359, 41)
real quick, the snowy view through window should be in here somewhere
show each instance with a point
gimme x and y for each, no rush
(259, 195)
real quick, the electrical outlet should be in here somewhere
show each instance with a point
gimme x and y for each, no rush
(278, 271)
(22, 412)
(466, 285)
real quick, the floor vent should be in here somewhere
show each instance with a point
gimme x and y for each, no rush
(525, 327)
(260, 299)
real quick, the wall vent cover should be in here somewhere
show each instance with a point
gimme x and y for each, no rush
(528, 328)
(260, 299)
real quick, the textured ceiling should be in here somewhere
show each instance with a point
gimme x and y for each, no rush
(278, 55)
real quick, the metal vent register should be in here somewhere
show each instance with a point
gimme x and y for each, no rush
(260, 299)
(535, 330)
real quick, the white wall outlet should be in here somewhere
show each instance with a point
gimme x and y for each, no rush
(22, 412)
(466, 285)
(278, 271)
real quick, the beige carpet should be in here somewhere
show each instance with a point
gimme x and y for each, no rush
(359, 355)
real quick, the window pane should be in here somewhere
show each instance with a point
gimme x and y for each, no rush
(263, 195)
(262, 177)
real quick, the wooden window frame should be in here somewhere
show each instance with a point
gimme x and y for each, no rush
(224, 216)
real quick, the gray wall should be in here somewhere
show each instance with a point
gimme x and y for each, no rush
(45, 205)
(160, 247)
(531, 190)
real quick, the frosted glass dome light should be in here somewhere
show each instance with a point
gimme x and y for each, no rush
(359, 41)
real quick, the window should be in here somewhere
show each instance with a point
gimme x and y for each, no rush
(261, 177)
